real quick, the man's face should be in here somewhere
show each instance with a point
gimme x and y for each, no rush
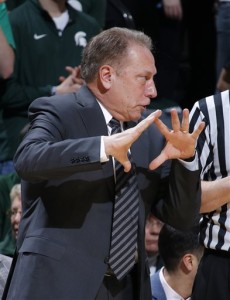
(152, 229)
(16, 212)
(133, 86)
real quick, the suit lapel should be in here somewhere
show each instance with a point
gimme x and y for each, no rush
(91, 113)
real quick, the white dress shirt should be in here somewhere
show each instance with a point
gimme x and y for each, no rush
(169, 292)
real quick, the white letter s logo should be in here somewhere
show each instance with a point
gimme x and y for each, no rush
(80, 39)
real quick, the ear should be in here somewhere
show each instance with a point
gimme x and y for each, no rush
(188, 261)
(106, 74)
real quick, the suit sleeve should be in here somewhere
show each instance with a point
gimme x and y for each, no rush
(181, 204)
(50, 149)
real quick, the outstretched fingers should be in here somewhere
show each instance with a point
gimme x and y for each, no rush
(144, 124)
(162, 127)
(175, 120)
(118, 145)
(195, 134)
(185, 121)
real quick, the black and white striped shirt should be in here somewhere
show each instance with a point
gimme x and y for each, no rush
(213, 147)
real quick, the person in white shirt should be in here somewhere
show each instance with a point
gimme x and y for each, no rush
(181, 254)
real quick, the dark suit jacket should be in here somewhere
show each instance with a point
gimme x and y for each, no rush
(68, 196)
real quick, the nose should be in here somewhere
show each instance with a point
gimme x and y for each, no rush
(17, 218)
(150, 89)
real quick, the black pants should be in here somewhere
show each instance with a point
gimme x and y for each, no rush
(212, 281)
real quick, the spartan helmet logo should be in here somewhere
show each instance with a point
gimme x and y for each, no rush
(75, 4)
(80, 39)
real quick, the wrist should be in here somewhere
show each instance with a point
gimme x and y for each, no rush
(189, 159)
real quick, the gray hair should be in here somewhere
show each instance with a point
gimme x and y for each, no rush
(110, 47)
(15, 191)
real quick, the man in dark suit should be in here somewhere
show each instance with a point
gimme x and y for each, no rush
(68, 187)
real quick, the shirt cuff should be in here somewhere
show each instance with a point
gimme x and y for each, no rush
(191, 165)
(53, 90)
(103, 156)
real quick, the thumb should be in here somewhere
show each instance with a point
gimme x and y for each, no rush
(160, 159)
(127, 165)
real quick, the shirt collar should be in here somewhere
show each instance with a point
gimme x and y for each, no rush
(169, 292)
(107, 114)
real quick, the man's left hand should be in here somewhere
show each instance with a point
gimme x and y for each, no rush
(180, 143)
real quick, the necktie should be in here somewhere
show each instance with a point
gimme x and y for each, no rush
(125, 217)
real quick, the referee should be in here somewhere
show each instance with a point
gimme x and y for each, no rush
(213, 148)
